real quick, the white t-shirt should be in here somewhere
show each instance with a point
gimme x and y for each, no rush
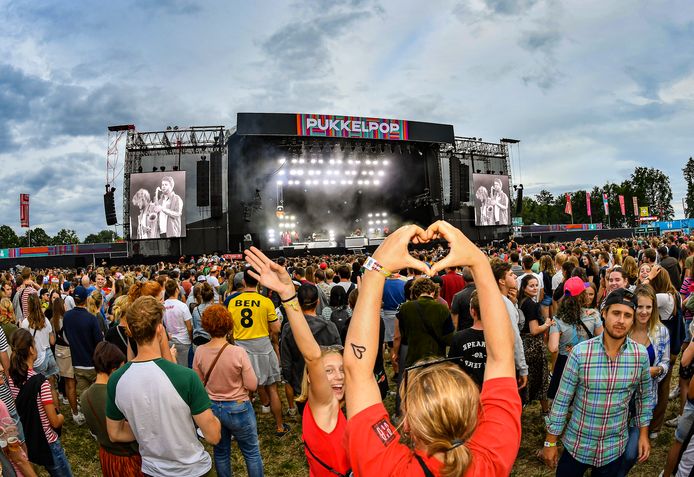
(176, 313)
(214, 283)
(557, 279)
(158, 398)
(41, 338)
(666, 305)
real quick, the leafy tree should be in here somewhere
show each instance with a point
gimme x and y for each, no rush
(652, 187)
(66, 237)
(688, 171)
(39, 237)
(104, 236)
(8, 237)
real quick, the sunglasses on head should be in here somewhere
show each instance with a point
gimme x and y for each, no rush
(422, 366)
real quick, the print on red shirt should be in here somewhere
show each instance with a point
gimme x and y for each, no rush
(384, 431)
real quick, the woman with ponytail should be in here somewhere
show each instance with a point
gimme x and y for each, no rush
(455, 430)
(570, 328)
(37, 408)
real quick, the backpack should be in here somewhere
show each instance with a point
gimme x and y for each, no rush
(339, 316)
(200, 335)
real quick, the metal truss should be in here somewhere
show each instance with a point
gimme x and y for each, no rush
(172, 141)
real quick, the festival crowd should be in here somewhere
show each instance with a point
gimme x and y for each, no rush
(157, 360)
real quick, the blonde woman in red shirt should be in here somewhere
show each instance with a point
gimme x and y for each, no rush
(455, 430)
(323, 422)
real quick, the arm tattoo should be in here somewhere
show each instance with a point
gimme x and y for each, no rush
(358, 350)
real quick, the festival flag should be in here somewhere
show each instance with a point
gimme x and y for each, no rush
(605, 204)
(636, 206)
(588, 203)
(621, 205)
(567, 208)
(24, 210)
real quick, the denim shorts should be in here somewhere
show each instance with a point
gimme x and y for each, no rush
(687, 331)
(546, 301)
(49, 367)
(685, 423)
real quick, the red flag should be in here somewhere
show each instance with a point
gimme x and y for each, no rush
(24, 210)
(567, 208)
(605, 204)
(621, 205)
(588, 203)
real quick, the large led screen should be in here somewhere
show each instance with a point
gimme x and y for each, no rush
(492, 203)
(157, 205)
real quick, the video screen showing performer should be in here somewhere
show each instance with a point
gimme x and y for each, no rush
(157, 200)
(492, 204)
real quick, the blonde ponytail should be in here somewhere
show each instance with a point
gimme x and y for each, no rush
(441, 407)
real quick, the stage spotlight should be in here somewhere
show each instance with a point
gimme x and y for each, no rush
(175, 168)
(383, 148)
(386, 162)
(162, 168)
(139, 169)
(377, 182)
(154, 169)
(281, 160)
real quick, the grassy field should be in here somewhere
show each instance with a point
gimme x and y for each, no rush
(284, 456)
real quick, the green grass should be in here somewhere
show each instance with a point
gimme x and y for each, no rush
(285, 457)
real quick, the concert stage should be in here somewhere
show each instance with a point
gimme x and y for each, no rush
(301, 182)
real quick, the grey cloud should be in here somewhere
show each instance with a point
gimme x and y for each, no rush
(303, 47)
(545, 78)
(510, 7)
(545, 41)
(172, 7)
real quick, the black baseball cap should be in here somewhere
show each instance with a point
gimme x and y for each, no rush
(621, 296)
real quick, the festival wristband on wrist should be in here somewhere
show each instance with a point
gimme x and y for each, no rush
(372, 264)
(550, 444)
(288, 299)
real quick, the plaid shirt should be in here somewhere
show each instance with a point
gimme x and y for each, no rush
(601, 389)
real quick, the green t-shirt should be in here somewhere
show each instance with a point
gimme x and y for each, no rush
(93, 401)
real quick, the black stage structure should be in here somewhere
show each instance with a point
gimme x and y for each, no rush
(297, 182)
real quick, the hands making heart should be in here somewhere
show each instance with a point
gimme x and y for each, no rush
(393, 254)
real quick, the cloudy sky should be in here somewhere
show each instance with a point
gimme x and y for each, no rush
(591, 88)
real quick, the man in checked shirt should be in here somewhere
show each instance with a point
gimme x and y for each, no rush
(601, 376)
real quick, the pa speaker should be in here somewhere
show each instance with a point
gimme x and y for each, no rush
(110, 208)
(519, 202)
(216, 192)
(454, 168)
(202, 186)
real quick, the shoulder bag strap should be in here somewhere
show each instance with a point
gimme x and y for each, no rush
(590, 335)
(425, 469)
(326, 466)
(209, 371)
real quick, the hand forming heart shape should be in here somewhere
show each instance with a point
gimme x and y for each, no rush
(393, 253)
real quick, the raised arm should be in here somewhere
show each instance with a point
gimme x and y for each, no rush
(361, 345)
(275, 277)
(498, 334)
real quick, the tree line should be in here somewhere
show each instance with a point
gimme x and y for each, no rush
(39, 237)
(650, 186)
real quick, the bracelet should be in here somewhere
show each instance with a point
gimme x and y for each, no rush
(288, 299)
(293, 303)
(372, 264)
(550, 444)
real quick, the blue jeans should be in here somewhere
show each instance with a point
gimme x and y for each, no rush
(238, 419)
(60, 467)
(570, 467)
(631, 453)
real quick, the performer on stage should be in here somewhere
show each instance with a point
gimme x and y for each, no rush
(500, 200)
(148, 218)
(170, 209)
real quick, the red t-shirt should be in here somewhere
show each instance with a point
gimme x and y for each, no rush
(374, 447)
(452, 284)
(327, 446)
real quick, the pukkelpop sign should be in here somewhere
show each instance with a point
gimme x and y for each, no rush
(324, 125)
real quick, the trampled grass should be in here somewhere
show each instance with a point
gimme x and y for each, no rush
(285, 457)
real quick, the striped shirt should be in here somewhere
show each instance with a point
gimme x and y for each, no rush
(44, 397)
(5, 393)
(601, 389)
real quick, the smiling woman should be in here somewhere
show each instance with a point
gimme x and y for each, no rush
(323, 422)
